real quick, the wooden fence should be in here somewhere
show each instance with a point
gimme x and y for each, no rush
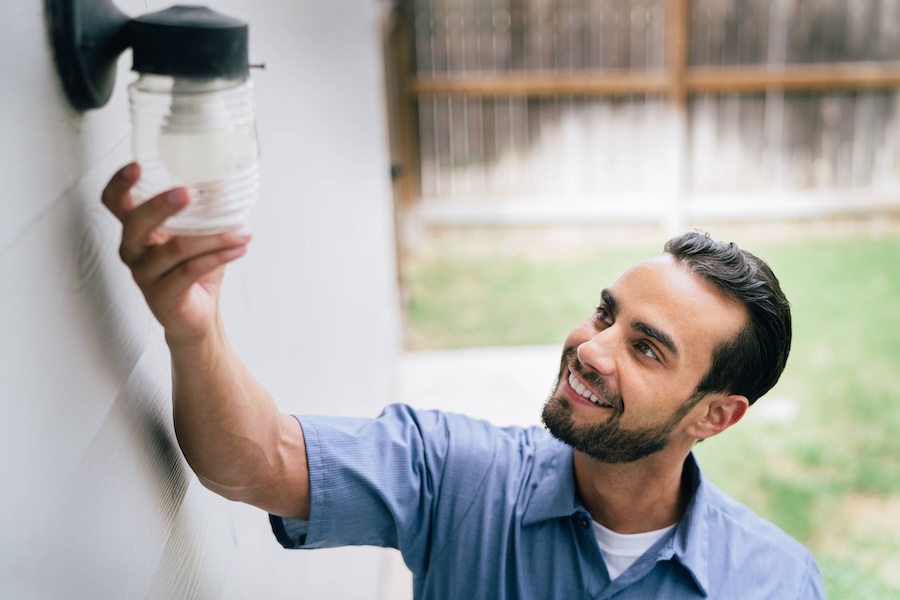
(549, 110)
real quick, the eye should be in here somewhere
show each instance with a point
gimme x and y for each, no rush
(603, 315)
(647, 350)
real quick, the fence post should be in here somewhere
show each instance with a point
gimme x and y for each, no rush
(402, 113)
(677, 58)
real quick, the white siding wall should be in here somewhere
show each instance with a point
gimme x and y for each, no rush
(96, 500)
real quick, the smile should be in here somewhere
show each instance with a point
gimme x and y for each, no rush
(579, 388)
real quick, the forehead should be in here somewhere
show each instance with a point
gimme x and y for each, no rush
(692, 311)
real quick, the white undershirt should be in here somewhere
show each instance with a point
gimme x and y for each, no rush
(621, 550)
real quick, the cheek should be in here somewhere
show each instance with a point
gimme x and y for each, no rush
(642, 389)
(652, 396)
(635, 392)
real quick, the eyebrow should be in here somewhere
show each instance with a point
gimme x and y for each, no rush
(648, 330)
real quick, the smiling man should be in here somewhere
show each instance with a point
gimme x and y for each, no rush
(606, 502)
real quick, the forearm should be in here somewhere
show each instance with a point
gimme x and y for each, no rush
(230, 430)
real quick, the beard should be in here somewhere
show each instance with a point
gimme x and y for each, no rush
(608, 441)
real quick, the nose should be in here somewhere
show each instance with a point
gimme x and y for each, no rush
(597, 353)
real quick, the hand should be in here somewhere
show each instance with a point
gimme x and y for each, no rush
(180, 277)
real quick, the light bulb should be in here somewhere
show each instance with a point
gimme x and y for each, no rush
(198, 142)
(198, 133)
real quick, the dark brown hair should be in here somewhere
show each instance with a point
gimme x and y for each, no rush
(751, 363)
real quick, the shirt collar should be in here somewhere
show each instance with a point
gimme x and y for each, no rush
(553, 485)
(554, 497)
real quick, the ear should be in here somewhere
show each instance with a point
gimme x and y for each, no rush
(721, 413)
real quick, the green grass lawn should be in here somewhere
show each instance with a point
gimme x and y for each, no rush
(830, 477)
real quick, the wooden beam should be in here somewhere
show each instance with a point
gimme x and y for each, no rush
(678, 23)
(678, 50)
(400, 49)
(796, 78)
(542, 85)
(404, 139)
(738, 79)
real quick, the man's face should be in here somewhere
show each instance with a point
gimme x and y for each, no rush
(629, 372)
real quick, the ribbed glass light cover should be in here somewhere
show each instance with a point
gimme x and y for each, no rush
(199, 134)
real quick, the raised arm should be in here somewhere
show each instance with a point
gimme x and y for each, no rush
(230, 430)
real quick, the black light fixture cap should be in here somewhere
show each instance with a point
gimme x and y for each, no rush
(190, 41)
(87, 39)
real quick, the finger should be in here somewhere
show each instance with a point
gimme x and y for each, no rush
(178, 251)
(116, 195)
(140, 224)
(179, 280)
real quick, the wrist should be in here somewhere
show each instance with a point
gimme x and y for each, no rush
(197, 343)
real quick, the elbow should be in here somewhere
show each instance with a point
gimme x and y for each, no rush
(272, 476)
(235, 494)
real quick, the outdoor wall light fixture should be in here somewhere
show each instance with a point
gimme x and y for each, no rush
(191, 105)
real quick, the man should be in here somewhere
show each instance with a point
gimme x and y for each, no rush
(607, 503)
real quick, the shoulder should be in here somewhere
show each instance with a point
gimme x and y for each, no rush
(467, 454)
(738, 519)
(443, 439)
(460, 429)
(469, 441)
(754, 550)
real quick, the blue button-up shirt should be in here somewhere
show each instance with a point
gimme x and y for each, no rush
(484, 512)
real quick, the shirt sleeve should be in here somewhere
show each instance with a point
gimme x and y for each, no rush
(813, 586)
(382, 481)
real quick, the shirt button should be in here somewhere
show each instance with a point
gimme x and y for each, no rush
(585, 523)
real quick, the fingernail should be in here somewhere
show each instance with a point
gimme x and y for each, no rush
(177, 198)
(242, 233)
(128, 171)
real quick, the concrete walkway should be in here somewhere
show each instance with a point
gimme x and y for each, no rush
(505, 385)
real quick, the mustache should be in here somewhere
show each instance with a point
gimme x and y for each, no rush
(593, 380)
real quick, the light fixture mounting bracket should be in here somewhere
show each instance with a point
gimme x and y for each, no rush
(87, 37)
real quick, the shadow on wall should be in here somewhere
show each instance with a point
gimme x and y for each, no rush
(126, 329)
(148, 530)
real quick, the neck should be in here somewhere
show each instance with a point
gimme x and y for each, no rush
(633, 497)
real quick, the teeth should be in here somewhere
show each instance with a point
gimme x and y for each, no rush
(579, 387)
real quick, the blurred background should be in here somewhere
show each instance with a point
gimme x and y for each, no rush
(643, 111)
(549, 145)
(446, 186)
